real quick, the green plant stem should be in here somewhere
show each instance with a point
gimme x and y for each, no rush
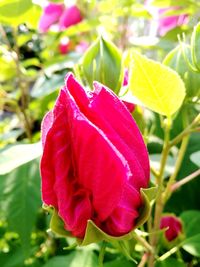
(154, 172)
(188, 130)
(143, 242)
(23, 87)
(172, 178)
(168, 253)
(181, 154)
(101, 254)
(159, 200)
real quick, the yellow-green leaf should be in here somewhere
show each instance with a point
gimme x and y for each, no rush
(158, 87)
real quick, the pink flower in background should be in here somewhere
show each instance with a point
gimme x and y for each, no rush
(164, 23)
(174, 226)
(64, 45)
(70, 16)
(169, 23)
(94, 161)
(51, 14)
(57, 14)
(82, 47)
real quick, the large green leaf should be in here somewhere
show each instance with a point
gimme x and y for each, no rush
(187, 197)
(20, 200)
(195, 158)
(13, 12)
(158, 87)
(119, 263)
(13, 258)
(191, 220)
(79, 258)
(192, 245)
(16, 155)
(169, 262)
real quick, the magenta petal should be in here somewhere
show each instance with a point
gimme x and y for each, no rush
(90, 147)
(46, 125)
(107, 112)
(130, 106)
(122, 219)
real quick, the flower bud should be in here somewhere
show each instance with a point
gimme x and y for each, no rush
(195, 42)
(174, 226)
(102, 63)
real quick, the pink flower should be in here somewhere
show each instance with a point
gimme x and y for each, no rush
(174, 226)
(51, 14)
(82, 47)
(169, 23)
(94, 161)
(70, 16)
(164, 23)
(64, 45)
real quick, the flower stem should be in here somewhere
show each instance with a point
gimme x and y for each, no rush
(102, 253)
(181, 154)
(159, 200)
(172, 178)
(143, 242)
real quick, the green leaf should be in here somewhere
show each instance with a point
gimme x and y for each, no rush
(20, 200)
(45, 86)
(119, 263)
(13, 12)
(195, 158)
(192, 245)
(17, 155)
(191, 220)
(8, 65)
(176, 61)
(158, 87)
(13, 258)
(195, 40)
(79, 258)
(102, 63)
(169, 262)
(191, 189)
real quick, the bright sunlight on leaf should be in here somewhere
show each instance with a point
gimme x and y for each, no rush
(156, 86)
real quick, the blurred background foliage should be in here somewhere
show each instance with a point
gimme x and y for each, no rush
(33, 64)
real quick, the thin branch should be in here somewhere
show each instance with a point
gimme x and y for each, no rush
(185, 180)
(143, 260)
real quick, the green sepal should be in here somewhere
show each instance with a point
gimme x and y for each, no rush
(94, 234)
(57, 225)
